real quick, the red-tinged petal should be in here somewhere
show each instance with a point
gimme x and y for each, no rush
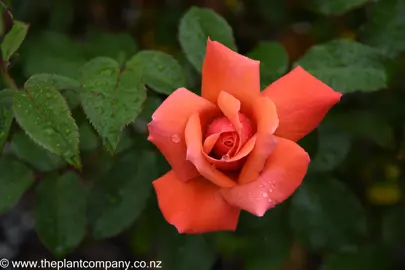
(302, 101)
(281, 176)
(166, 130)
(194, 206)
(266, 121)
(226, 70)
(193, 136)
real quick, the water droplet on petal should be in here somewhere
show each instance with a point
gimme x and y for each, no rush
(265, 195)
(175, 138)
(226, 157)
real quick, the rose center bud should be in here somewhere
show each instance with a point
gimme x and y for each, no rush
(228, 141)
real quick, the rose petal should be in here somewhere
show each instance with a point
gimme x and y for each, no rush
(193, 136)
(226, 70)
(166, 130)
(267, 122)
(195, 206)
(281, 176)
(235, 162)
(302, 101)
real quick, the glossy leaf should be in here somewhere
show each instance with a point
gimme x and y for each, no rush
(60, 213)
(58, 81)
(119, 197)
(111, 97)
(44, 115)
(13, 40)
(347, 66)
(196, 26)
(326, 215)
(15, 179)
(336, 7)
(273, 61)
(333, 147)
(6, 115)
(36, 156)
(160, 71)
(385, 28)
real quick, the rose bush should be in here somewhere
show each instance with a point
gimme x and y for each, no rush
(234, 148)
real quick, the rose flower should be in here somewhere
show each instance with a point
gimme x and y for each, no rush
(234, 148)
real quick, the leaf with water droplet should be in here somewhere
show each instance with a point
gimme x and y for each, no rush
(13, 39)
(161, 71)
(60, 213)
(15, 179)
(6, 114)
(111, 98)
(45, 120)
(119, 197)
(38, 157)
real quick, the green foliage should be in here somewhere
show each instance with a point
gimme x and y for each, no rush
(111, 97)
(273, 61)
(385, 28)
(15, 179)
(60, 213)
(326, 216)
(13, 40)
(347, 66)
(160, 71)
(196, 26)
(36, 156)
(119, 197)
(6, 115)
(44, 115)
(336, 7)
(333, 146)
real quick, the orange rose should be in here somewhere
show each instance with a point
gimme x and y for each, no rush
(234, 148)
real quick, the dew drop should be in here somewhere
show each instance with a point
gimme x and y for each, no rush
(67, 131)
(226, 157)
(175, 138)
(265, 195)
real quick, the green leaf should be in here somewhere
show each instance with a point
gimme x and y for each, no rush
(88, 138)
(44, 115)
(267, 240)
(385, 28)
(160, 71)
(13, 40)
(273, 61)
(347, 66)
(15, 179)
(70, 88)
(365, 125)
(368, 257)
(111, 98)
(119, 197)
(119, 46)
(30, 152)
(335, 7)
(60, 213)
(6, 115)
(51, 52)
(185, 252)
(196, 26)
(333, 147)
(326, 215)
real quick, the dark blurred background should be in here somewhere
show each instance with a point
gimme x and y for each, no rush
(349, 213)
